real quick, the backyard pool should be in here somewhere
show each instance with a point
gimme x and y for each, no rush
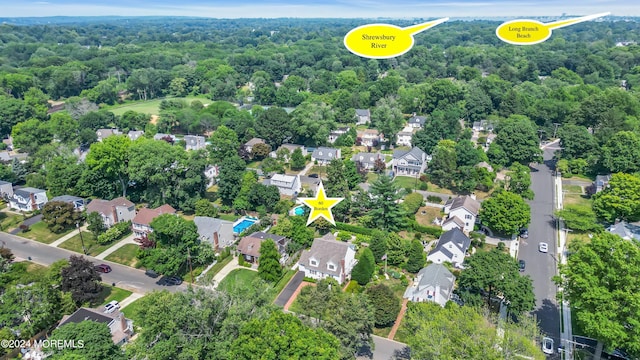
(299, 211)
(243, 223)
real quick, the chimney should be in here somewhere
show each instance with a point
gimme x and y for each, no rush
(33, 201)
(473, 196)
(115, 214)
(216, 244)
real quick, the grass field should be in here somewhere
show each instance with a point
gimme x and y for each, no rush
(110, 293)
(149, 107)
(404, 182)
(40, 232)
(573, 195)
(427, 214)
(90, 243)
(132, 310)
(238, 277)
(9, 221)
(125, 255)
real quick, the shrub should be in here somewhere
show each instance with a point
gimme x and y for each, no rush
(112, 234)
(24, 228)
(404, 281)
(241, 261)
(344, 236)
(501, 246)
(423, 186)
(431, 230)
(434, 199)
(354, 228)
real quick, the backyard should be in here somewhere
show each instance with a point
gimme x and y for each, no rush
(238, 278)
(427, 214)
(125, 255)
(151, 107)
(40, 232)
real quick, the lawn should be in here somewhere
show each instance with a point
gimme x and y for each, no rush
(573, 196)
(125, 255)
(151, 107)
(216, 268)
(110, 293)
(238, 278)
(40, 232)
(318, 169)
(404, 182)
(9, 221)
(371, 177)
(435, 188)
(427, 214)
(90, 243)
(132, 310)
(228, 217)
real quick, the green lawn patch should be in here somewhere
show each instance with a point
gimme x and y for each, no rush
(110, 293)
(90, 243)
(435, 188)
(573, 196)
(216, 268)
(132, 310)
(318, 169)
(382, 332)
(353, 287)
(404, 182)
(238, 278)
(151, 107)
(371, 177)
(228, 217)
(9, 221)
(41, 233)
(284, 280)
(427, 214)
(125, 255)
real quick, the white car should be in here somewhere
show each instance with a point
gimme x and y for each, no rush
(547, 345)
(543, 247)
(111, 307)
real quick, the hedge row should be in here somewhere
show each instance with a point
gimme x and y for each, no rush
(431, 230)
(354, 229)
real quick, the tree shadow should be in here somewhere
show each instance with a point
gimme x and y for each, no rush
(548, 317)
(402, 354)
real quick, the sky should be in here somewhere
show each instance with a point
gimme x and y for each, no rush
(317, 9)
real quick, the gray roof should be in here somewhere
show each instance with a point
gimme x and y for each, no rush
(27, 191)
(2, 182)
(84, 314)
(472, 205)
(208, 225)
(417, 120)
(367, 158)
(454, 236)
(323, 153)
(135, 134)
(455, 220)
(436, 275)
(68, 198)
(625, 230)
(326, 250)
(415, 152)
(602, 179)
(5, 156)
(194, 139)
(363, 112)
(254, 141)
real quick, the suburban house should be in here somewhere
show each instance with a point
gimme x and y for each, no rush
(195, 142)
(105, 133)
(28, 199)
(142, 221)
(324, 155)
(452, 223)
(6, 189)
(432, 283)
(335, 134)
(368, 137)
(417, 122)
(404, 137)
(602, 181)
(483, 125)
(113, 211)
(77, 202)
(625, 230)
(287, 184)
(363, 116)
(465, 208)
(166, 137)
(452, 247)
(120, 327)
(409, 162)
(217, 232)
(328, 258)
(248, 146)
(367, 160)
(249, 246)
(289, 147)
(211, 172)
(135, 134)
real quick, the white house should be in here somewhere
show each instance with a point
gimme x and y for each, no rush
(105, 133)
(335, 134)
(404, 137)
(363, 116)
(432, 283)
(28, 199)
(211, 172)
(409, 162)
(141, 223)
(6, 189)
(328, 258)
(77, 202)
(113, 211)
(324, 155)
(452, 247)
(465, 208)
(290, 148)
(367, 160)
(135, 134)
(368, 137)
(248, 146)
(195, 142)
(417, 122)
(287, 184)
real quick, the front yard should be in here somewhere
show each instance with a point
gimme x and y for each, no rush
(90, 243)
(573, 195)
(110, 293)
(238, 278)
(125, 255)
(41, 233)
(9, 221)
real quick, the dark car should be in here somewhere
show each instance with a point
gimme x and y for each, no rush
(521, 264)
(174, 280)
(151, 273)
(315, 176)
(524, 233)
(103, 268)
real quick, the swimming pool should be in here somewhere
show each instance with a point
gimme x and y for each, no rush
(299, 211)
(243, 223)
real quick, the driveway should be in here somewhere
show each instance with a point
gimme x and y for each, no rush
(30, 221)
(385, 349)
(288, 290)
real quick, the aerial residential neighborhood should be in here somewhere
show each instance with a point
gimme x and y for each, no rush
(206, 188)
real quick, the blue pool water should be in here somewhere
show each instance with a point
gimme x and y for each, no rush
(299, 211)
(243, 225)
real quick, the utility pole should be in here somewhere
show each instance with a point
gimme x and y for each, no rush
(84, 250)
(190, 268)
(556, 129)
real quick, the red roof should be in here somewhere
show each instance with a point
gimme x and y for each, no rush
(146, 215)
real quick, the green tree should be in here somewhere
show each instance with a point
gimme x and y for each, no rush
(260, 151)
(274, 126)
(385, 211)
(363, 271)
(495, 273)
(62, 175)
(204, 207)
(518, 138)
(412, 202)
(297, 160)
(81, 279)
(443, 165)
(417, 258)
(63, 127)
(387, 117)
(224, 144)
(378, 245)
(231, 171)
(600, 275)
(576, 141)
(95, 223)
(31, 134)
(579, 218)
(505, 212)
(621, 153)
(60, 216)
(110, 158)
(620, 200)
(519, 180)
(385, 303)
(466, 153)
(269, 268)
(95, 338)
(283, 336)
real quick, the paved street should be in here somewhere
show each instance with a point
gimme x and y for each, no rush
(123, 276)
(542, 267)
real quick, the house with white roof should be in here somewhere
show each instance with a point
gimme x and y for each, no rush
(290, 148)
(328, 258)
(368, 137)
(211, 172)
(105, 133)
(409, 162)
(135, 134)
(432, 283)
(335, 134)
(6, 189)
(452, 247)
(288, 185)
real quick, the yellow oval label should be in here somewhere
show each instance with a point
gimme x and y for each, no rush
(523, 32)
(383, 41)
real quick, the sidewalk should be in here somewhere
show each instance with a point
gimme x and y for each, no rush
(131, 298)
(232, 265)
(128, 240)
(566, 333)
(67, 237)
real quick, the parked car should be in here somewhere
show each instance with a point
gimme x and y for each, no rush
(174, 280)
(521, 264)
(547, 345)
(524, 233)
(315, 176)
(543, 247)
(103, 268)
(111, 307)
(151, 273)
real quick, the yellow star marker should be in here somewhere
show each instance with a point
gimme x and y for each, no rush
(321, 206)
